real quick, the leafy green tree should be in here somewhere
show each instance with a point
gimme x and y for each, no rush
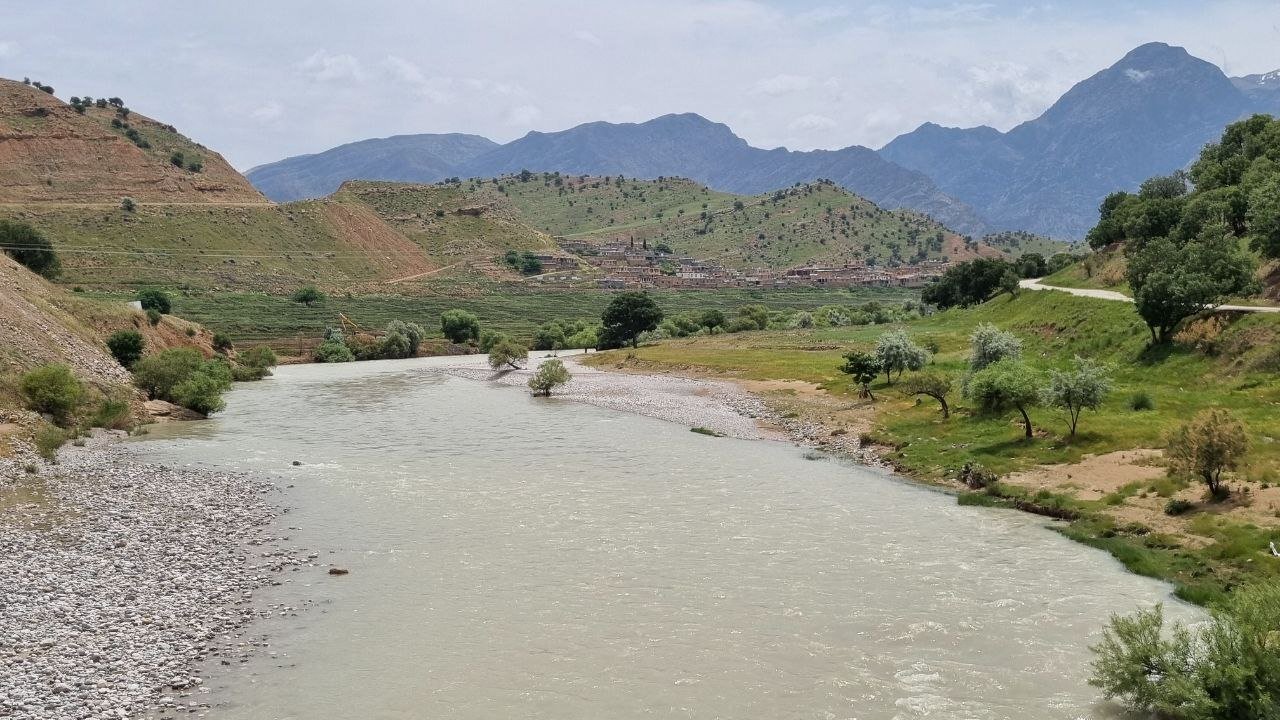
(1083, 387)
(1032, 265)
(254, 363)
(28, 247)
(1006, 385)
(401, 340)
(202, 390)
(1210, 444)
(159, 373)
(1225, 669)
(1173, 281)
(155, 299)
(549, 374)
(334, 351)
(970, 283)
(489, 338)
(128, 204)
(507, 354)
(627, 315)
(222, 343)
(52, 389)
(307, 295)
(126, 346)
(756, 315)
(459, 326)
(989, 344)
(549, 336)
(930, 384)
(863, 368)
(897, 352)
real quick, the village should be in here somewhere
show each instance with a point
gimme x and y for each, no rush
(623, 265)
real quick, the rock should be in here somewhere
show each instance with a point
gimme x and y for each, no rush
(338, 571)
(164, 411)
(296, 463)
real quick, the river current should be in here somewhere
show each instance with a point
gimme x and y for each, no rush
(519, 557)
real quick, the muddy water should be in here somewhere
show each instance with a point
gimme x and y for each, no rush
(514, 557)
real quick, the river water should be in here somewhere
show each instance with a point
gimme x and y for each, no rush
(514, 557)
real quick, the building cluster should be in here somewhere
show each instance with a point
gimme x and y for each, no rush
(625, 266)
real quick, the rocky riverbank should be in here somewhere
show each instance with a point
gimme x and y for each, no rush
(122, 578)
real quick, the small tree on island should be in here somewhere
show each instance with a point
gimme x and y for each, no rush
(863, 368)
(307, 295)
(628, 315)
(550, 374)
(507, 355)
(896, 352)
(1006, 385)
(460, 326)
(932, 384)
(1083, 387)
(1213, 442)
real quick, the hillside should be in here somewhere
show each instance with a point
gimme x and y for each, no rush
(50, 153)
(685, 145)
(1149, 114)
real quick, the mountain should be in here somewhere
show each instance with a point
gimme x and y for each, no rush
(685, 145)
(52, 152)
(1149, 114)
(1263, 88)
(405, 158)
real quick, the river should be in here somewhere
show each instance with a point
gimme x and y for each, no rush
(518, 557)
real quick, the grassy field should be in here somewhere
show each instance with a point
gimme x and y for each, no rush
(1235, 368)
(510, 308)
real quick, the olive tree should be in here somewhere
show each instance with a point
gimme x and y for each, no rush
(863, 367)
(931, 384)
(1211, 443)
(1083, 387)
(1004, 386)
(989, 344)
(549, 374)
(896, 352)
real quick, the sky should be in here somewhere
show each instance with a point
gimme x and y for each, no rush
(260, 81)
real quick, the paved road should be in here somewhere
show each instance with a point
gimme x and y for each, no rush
(1035, 284)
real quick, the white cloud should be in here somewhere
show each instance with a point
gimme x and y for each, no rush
(8, 49)
(1137, 75)
(269, 112)
(812, 122)
(780, 85)
(332, 68)
(522, 115)
(403, 70)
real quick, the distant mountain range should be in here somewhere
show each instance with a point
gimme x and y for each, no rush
(1148, 114)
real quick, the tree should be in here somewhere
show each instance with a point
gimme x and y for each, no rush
(459, 326)
(334, 351)
(307, 295)
(126, 346)
(1224, 669)
(550, 374)
(507, 354)
(1082, 387)
(1032, 265)
(222, 343)
(128, 204)
(28, 247)
(931, 384)
(1006, 385)
(254, 363)
(896, 352)
(489, 338)
(989, 344)
(202, 390)
(969, 283)
(155, 299)
(627, 315)
(160, 373)
(756, 316)
(52, 389)
(1211, 443)
(549, 336)
(863, 367)
(401, 339)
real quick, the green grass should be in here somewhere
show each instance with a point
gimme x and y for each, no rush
(510, 308)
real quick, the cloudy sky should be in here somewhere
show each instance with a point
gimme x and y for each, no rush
(262, 80)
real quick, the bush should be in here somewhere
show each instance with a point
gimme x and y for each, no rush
(334, 351)
(112, 413)
(1212, 443)
(307, 295)
(128, 204)
(48, 439)
(1176, 506)
(459, 326)
(126, 346)
(160, 373)
(154, 299)
(401, 340)
(489, 338)
(507, 354)
(1141, 401)
(221, 342)
(153, 316)
(202, 390)
(28, 247)
(52, 389)
(253, 364)
(550, 374)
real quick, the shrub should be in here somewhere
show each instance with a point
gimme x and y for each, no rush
(459, 326)
(1141, 401)
(402, 339)
(253, 364)
(550, 374)
(126, 346)
(128, 204)
(307, 295)
(1176, 506)
(202, 390)
(195, 166)
(1212, 443)
(549, 336)
(112, 413)
(333, 351)
(1085, 386)
(489, 338)
(221, 342)
(176, 159)
(28, 247)
(48, 439)
(153, 316)
(160, 373)
(507, 354)
(931, 384)
(52, 389)
(154, 299)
